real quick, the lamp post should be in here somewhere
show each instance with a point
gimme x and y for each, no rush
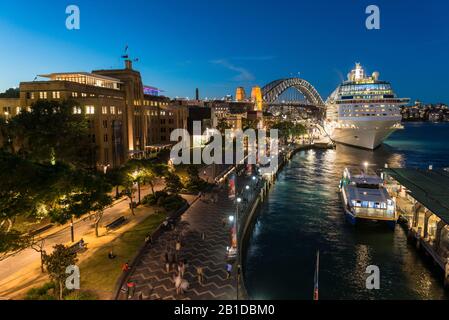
(239, 200)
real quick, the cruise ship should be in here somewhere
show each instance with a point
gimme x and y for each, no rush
(363, 111)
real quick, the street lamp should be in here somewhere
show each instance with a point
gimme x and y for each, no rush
(366, 164)
(239, 200)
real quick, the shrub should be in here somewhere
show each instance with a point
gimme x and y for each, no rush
(170, 202)
(45, 292)
(81, 295)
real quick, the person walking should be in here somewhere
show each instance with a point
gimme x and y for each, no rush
(200, 274)
(178, 282)
(178, 248)
(131, 285)
(181, 269)
(228, 270)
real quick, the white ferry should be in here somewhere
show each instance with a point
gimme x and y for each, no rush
(364, 197)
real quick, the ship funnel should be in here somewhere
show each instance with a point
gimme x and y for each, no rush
(375, 76)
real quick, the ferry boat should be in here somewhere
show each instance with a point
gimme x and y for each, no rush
(364, 197)
(363, 111)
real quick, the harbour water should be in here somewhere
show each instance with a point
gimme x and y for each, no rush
(304, 214)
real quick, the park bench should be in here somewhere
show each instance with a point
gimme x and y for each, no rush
(116, 223)
(76, 247)
(40, 230)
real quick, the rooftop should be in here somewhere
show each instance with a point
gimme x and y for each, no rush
(429, 187)
(370, 195)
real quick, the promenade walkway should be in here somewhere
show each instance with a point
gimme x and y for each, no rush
(152, 280)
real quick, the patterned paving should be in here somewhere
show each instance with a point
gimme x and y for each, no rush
(152, 280)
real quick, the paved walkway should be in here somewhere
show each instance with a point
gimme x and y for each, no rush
(153, 282)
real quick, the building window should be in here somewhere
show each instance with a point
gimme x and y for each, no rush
(106, 155)
(90, 110)
(119, 110)
(104, 110)
(105, 124)
(77, 110)
(74, 94)
(42, 95)
(84, 95)
(56, 95)
(18, 110)
(105, 138)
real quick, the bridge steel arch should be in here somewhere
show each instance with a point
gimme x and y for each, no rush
(274, 89)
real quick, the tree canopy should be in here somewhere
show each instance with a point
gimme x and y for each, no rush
(50, 132)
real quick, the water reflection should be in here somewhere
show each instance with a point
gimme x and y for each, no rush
(304, 214)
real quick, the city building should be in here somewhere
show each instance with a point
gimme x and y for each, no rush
(126, 118)
(9, 107)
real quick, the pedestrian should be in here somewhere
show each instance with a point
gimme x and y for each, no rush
(184, 286)
(111, 255)
(178, 281)
(131, 285)
(200, 274)
(181, 269)
(125, 267)
(229, 270)
(167, 267)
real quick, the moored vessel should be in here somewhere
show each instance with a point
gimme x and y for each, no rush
(364, 197)
(363, 111)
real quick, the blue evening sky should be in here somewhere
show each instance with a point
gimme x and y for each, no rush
(219, 45)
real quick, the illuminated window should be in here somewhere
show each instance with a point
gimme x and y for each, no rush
(74, 94)
(43, 95)
(77, 110)
(104, 110)
(112, 110)
(90, 110)
(56, 95)
(119, 110)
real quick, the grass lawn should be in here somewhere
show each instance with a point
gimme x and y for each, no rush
(99, 273)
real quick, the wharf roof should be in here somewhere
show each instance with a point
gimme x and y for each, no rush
(428, 187)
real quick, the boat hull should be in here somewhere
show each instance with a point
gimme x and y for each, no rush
(366, 135)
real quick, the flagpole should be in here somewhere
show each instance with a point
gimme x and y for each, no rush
(317, 277)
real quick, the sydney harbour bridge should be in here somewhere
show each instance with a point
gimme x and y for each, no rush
(293, 94)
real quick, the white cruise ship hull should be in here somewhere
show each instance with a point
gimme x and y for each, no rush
(364, 134)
